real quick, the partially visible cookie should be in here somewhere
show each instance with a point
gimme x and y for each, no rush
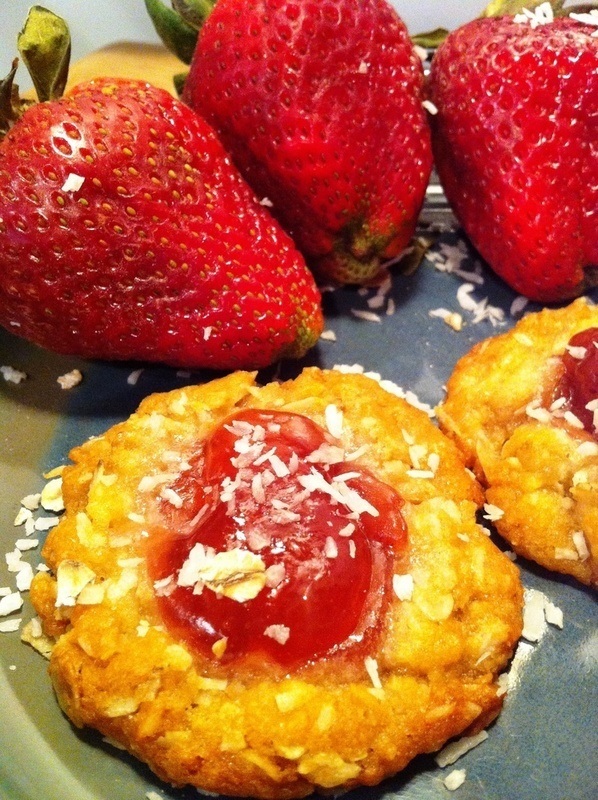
(522, 407)
(266, 591)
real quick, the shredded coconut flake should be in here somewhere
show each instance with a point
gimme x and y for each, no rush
(31, 501)
(452, 318)
(454, 779)
(23, 514)
(518, 305)
(542, 15)
(280, 633)
(26, 544)
(403, 586)
(171, 497)
(572, 420)
(151, 482)
(70, 379)
(51, 496)
(330, 548)
(279, 468)
(581, 545)
(45, 523)
(424, 474)
(275, 575)
(576, 352)
(535, 411)
(73, 182)
(553, 614)
(455, 750)
(534, 621)
(493, 512)
(367, 316)
(12, 375)
(371, 667)
(10, 625)
(589, 18)
(537, 611)
(10, 603)
(134, 376)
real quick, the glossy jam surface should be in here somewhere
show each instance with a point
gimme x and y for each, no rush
(579, 381)
(281, 545)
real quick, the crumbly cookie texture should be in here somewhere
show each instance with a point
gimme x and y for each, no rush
(540, 472)
(253, 729)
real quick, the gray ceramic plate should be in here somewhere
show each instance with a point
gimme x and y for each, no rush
(544, 745)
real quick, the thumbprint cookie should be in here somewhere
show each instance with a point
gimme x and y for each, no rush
(523, 408)
(266, 591)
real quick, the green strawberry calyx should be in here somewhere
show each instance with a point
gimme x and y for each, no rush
(44, 45)
(178, 26)
(500, 8)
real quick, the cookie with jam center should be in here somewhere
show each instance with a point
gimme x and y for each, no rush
(266, 591)
(523, 408)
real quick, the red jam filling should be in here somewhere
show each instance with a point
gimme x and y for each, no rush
(281, 545)
(579, 380)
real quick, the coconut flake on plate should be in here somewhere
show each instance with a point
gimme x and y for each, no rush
(455, 750)
(454, 779)
(70, 379)
(12, 375)
(367, 316)
(10, 625)
(451, 318)
(134, 376)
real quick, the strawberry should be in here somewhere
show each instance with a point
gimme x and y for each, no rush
(320, 106)
(515, 142)
(126, 233)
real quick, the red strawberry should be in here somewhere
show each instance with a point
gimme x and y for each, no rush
(516, 147)
(320, 105)
(154, 248)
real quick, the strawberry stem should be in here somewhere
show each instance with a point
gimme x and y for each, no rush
(45, 47)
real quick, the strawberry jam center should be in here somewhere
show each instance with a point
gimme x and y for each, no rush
(282, 546)
(579, 380)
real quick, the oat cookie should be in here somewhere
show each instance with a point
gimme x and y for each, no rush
(266, 591)
(522, 406)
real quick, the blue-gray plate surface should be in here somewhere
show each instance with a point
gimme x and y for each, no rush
(544, 745)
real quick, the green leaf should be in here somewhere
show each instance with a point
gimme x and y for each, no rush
(430, 39)
(499, 8)
(178, 35)
(195, 12)
(179, 82)
(11, 104)
(45, 47)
